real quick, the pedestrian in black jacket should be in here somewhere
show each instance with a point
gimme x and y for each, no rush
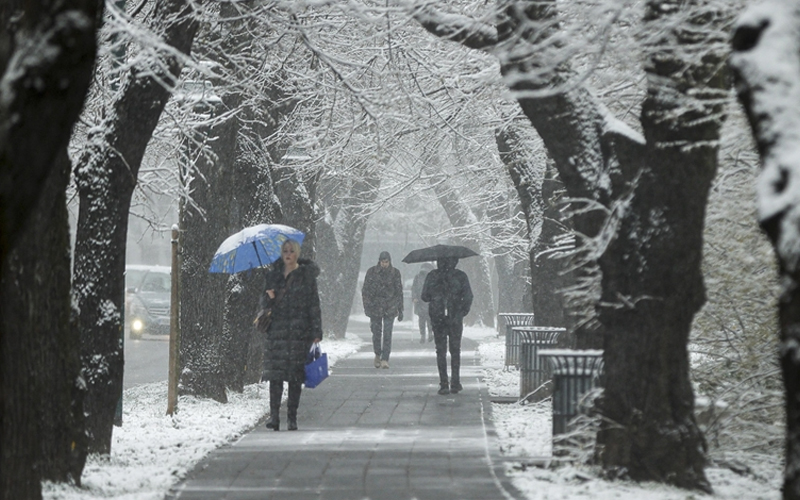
(382, 295)
(449, 298)
(295, 324)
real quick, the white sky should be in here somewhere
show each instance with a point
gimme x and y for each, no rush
(151, 452)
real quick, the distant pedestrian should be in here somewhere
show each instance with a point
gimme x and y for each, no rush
(449, 298)
(382, 295)
(420, 306)
(294, 324)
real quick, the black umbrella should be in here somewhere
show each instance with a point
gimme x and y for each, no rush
(438, 252)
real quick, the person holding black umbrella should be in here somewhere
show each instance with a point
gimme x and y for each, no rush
(449, 297)
(382, 295)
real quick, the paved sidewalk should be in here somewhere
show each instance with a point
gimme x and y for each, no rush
(368, 433)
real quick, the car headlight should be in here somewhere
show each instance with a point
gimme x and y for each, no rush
(137, 325)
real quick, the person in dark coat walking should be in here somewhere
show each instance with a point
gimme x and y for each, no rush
(420, 306)
(449, 298)
(295, 324)
(382, 295)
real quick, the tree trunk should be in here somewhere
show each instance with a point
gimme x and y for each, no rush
(477, 268)
(106, 178)
(652, 280)
(297, 197)
(29, 145)
(538, 193)
(203, 294)
(647, 240)
(550, 274)
(341, 241)
(46, 388)
(241, 362)
(768, 93)
(253, 198)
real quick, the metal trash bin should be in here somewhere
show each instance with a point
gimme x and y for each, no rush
(575, 372)
(533, 370)
(512, 339)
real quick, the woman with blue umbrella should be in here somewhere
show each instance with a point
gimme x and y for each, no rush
(290, 315)
(293, 325)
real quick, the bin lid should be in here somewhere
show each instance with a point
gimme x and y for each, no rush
(574, 361)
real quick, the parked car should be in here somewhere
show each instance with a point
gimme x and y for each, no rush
(147, 300)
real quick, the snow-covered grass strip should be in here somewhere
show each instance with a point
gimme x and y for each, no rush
(153, 451)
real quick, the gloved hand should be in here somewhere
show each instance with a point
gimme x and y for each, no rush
(400, 316)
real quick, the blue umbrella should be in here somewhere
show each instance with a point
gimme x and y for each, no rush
(253, 247)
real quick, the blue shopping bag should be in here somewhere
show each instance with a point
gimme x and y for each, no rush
(316, 367)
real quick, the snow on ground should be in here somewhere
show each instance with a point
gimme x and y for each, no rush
(524, 432)
(152, 451)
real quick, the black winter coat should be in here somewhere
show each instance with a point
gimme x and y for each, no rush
(448, 294)
(296, 321)
(382, 293)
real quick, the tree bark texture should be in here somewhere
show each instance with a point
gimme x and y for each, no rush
(477, 268)
(551, 274)
(37, 112)
(647, 239)
(768, 93)
(297, 205)
(38, 109)
(46, 389)
(252, 202)
(106, 178)
(652, 282)
(242, 195)
(340, 237)
(540, 205)
(204, 339)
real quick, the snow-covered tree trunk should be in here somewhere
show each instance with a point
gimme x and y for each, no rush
(550, 274)
(536, 195)
(203, 294)
(252, 202)
(652, 283)
(340, 240)
(46, 45)
(766, 63)
(106, 177)
(477, 268)
(297, 197)
(647, 240)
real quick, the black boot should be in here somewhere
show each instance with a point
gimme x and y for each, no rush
(275, 395)
(292, 404)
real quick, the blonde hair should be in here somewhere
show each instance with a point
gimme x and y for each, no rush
(294, 244)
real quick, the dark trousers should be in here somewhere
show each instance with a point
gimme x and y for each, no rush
(425, 326)
(381, 326)
(276, 393)
(448, 331)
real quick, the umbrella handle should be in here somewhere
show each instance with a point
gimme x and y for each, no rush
(260, 264)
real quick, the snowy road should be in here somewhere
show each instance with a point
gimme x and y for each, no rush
(146, 360)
